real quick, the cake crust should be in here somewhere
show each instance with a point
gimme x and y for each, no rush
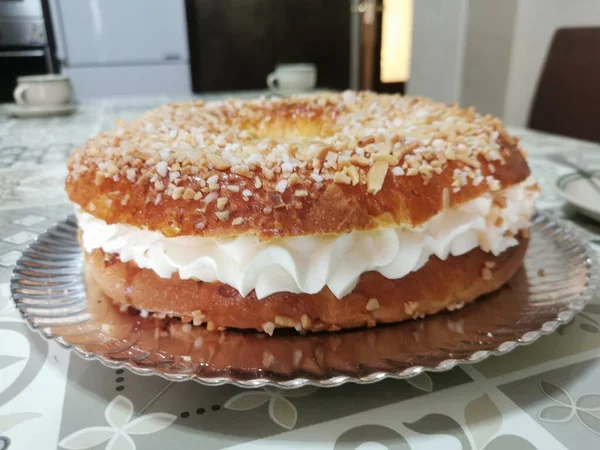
(437, 286)
(326, 164)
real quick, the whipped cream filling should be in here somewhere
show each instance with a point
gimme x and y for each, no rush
(309, 263)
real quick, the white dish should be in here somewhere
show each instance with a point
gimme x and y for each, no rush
(577, 191)
(31, 112)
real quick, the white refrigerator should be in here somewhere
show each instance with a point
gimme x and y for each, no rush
(113, 48)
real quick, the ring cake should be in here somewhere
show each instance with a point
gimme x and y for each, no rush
(315, 213)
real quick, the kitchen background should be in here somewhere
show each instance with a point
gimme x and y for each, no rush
(486, 53)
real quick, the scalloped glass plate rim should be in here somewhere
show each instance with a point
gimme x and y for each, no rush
(528, 337)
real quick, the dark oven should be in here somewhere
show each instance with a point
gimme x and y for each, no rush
(24, 46)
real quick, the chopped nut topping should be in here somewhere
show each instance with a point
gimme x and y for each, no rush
(366, 141)
(486, 274)
(223, 216)
(469, 161)
(493, 184)
(410, 308)
(243, 171)
(269, 328)
(268, 173)
(390, 159)
(285, 321)
(177, 193)
(397, 171)
(360, 161)
(218, 162)
(281, 186)
(188, 151)
(341, 178)
(376, 176)
(316, 177)
(372, 304)
(211, 197)
(161, 168)
(188, 194)
(222, 203)
(353, 174)
(305, 321)
(294, 179)
(130, 174)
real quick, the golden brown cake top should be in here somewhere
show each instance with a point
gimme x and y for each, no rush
(322, 164)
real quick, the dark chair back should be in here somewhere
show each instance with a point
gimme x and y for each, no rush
(567, 100)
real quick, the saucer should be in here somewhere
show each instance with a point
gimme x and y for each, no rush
(31, 112)
(577, 191)
(292, 92)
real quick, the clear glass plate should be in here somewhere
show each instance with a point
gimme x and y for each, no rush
(56, 298)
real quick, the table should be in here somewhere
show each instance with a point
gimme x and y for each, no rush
(542, 396)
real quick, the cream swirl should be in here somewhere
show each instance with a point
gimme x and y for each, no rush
(309, 263)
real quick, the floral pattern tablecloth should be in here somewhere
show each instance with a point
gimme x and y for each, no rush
(544, 396)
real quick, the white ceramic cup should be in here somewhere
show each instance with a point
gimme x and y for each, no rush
(292, 78)
(43, 90)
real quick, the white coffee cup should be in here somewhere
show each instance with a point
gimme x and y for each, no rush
(292, 78)
(43, 90)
